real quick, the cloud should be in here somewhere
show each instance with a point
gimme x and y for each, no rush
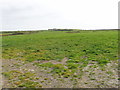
(40, 14)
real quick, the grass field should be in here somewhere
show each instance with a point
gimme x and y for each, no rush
(61, 59)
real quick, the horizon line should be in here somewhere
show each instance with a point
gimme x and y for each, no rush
(55, 28)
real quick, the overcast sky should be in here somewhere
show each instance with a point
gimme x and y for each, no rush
(45, 14)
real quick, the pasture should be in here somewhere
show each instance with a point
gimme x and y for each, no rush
(59, 59)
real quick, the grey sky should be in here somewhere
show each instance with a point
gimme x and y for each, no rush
(45, 14)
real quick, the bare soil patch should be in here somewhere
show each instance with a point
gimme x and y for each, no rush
(93, 76)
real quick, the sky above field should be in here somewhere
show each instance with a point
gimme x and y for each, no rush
(47, 14)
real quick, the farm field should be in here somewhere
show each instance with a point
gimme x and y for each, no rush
(61, 59)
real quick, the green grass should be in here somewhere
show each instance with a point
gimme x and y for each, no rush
(82, 47)
(55, 45)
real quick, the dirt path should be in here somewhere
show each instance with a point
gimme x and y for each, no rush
(54, 61)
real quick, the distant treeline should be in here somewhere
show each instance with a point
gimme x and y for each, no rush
(8, 33)
(61, 29)
(78, 29)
